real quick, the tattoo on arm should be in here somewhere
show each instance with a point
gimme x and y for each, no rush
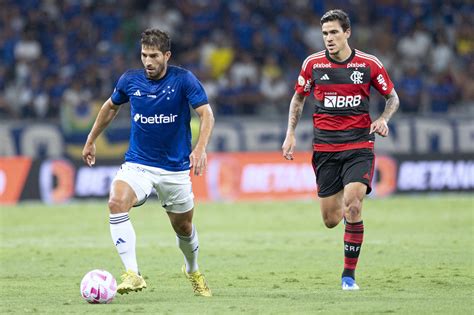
(392, 102)
(296, 108)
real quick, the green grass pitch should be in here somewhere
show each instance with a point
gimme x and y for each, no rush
(259, 258)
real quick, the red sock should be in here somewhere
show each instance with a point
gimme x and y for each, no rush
(353, 237)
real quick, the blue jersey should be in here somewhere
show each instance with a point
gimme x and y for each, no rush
(160, 134)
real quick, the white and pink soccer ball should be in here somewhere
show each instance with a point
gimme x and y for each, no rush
(98, 287)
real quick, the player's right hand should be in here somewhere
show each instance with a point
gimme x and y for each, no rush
(88, 153)
(380, 127)
(198, 160)
(288, 147)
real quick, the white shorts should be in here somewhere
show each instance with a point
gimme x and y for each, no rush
(173, 188)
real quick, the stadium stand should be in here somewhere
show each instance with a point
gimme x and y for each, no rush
(59, 54)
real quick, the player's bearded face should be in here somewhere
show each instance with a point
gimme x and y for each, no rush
(155, 62)
(335, 39)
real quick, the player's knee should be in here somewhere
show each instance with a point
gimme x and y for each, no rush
(118, 205)
(331, 223)
(353, 209)
(183, 228)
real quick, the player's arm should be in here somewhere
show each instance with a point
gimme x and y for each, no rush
(198, 157)
(380, 126)
(296, 108)
(107, 113)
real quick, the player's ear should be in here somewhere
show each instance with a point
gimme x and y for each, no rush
(167, 55)
(348, 32)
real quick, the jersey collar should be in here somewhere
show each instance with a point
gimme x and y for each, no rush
(341, 62)
(160, 79)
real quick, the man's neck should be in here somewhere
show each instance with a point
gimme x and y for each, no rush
(343, 54)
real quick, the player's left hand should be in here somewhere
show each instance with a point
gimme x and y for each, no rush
(288, 147)
(198, 160)
(380, 127)
(88, 153)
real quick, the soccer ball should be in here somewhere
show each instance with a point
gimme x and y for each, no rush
(98, 287)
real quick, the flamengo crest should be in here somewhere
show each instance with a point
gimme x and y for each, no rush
(356, 77)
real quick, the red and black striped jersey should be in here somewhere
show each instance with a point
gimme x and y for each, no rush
(341, 117)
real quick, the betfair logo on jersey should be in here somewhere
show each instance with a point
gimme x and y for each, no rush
(340, 101)
(161, 119)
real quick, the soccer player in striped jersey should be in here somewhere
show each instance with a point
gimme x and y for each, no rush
(340, 78)
(159, 155)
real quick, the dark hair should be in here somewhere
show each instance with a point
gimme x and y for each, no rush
(337, 15)
(153, 37)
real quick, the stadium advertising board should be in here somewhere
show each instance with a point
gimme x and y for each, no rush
(441, 135)
(235, 176)
(13, 174)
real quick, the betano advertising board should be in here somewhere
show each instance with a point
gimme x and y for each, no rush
(235, 176)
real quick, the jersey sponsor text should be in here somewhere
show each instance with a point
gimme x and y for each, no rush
(356, 65)
(322, 65)
(157, 119)
(307, 86)
(341, 101)
(381, 81)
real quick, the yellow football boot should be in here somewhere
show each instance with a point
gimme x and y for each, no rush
(198, 282)
(131, 281)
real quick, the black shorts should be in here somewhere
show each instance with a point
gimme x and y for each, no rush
(334, 170)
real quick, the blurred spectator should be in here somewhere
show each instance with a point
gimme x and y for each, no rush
(383, 49)
(6, 110)
(276, 94)
(465, 81)
(221, 57)
(27, 48)
(274, 89)
(165, 18)
(239, 99)
(313, 36)
(39, 97)
(410, 90)
(465, 35)
(414, 46)
(244, 69)
(441, 54)
(442, 93)
(76, 109)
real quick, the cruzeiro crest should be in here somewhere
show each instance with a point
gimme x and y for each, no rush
(356, 77)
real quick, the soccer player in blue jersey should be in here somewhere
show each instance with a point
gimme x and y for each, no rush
(160, 155)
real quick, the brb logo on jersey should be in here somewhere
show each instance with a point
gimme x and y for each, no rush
(340, 101)
(161, 119)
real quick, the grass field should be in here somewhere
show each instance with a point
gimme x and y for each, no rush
(259, 258)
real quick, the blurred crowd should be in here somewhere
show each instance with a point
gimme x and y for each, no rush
(62, 56)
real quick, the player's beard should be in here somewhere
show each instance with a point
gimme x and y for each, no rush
(156, 73)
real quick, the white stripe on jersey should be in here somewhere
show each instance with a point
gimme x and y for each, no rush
(369, 57)
(319, 54)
